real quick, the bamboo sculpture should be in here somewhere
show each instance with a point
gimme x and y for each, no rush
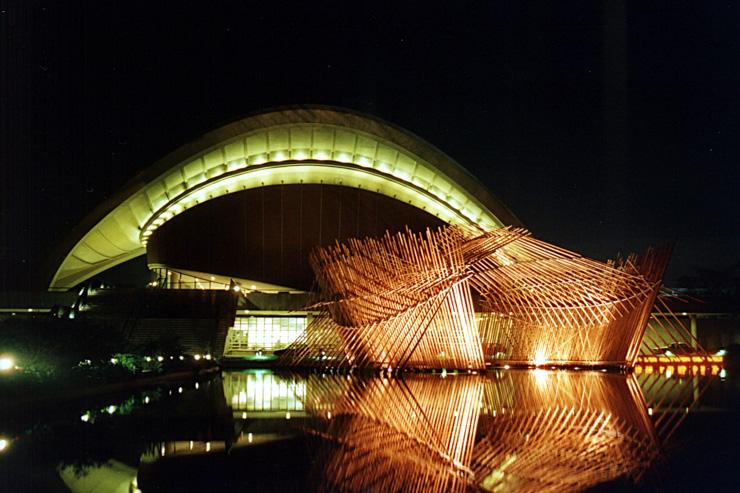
(408, 300)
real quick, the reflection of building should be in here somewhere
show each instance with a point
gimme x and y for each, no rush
(262, 394)
(512, 431)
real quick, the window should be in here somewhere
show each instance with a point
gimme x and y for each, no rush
(251, 334)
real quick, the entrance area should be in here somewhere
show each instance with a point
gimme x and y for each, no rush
(254, 334)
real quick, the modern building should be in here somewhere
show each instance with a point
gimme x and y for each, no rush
(241, 207)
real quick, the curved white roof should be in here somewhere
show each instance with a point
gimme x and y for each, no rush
(291, 146)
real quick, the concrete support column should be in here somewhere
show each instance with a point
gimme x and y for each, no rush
(693, 328)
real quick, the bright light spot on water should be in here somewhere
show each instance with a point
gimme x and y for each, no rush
(541, 377)
(4, 442)
(6, 363)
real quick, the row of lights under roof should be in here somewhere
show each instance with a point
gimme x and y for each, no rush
(236, 288)
(321, 155)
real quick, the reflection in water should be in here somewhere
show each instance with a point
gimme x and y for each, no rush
(414, 434)
(544, 431)
(503, 431)
(534, 430)
(261, 393)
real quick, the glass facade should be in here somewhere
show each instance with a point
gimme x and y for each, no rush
(252, 334)
(170, 279)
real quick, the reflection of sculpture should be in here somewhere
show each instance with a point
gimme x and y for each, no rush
(561, 432)
(407, 300)
(396, 435)
(518, 431)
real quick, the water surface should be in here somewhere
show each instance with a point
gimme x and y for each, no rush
(501, 431)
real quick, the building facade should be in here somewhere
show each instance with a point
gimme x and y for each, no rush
(241, 208)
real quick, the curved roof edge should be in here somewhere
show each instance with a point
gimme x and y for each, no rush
(302, 114)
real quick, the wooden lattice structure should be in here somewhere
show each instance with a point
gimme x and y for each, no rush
(400, 300)
(454, 298)
(543, 304)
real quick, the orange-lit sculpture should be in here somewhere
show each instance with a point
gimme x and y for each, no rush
(543, 304)
(401, 300)
(408, 300)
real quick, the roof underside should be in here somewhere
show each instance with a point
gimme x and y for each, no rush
(299, 145)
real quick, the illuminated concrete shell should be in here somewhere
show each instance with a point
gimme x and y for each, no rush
(301, 145)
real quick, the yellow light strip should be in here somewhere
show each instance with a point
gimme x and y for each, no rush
(281, 154)
(293, 172)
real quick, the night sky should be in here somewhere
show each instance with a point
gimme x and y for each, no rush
(604, 127)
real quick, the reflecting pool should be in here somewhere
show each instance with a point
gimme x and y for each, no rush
(659, 428)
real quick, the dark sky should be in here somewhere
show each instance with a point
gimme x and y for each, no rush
(604, 127)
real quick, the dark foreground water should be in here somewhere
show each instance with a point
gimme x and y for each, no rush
(509, 430)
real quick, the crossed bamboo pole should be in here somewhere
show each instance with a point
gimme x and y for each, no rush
(454, 298)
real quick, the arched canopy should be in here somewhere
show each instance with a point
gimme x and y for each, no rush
(289, 146)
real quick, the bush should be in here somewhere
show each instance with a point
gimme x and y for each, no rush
(59, 348)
